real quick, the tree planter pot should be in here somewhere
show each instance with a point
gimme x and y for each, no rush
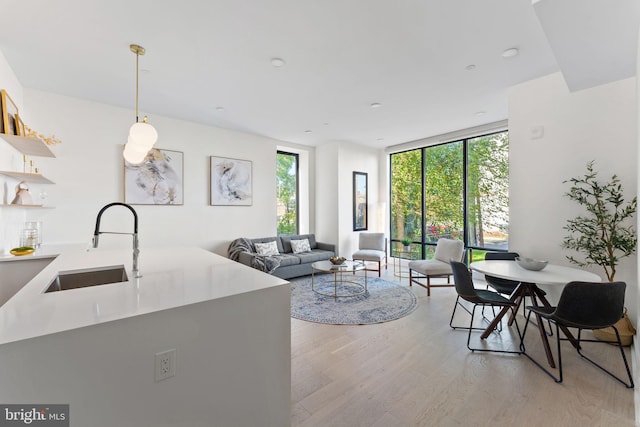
(624, 327)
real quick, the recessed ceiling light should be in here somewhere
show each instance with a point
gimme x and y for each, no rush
(380, 139)
(219, 108)
(480, 113)
(375, 105)
(470, 67)
(307, 131)
(510, 53)
(277, 62)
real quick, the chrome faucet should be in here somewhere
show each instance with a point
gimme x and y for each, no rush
(97, 233)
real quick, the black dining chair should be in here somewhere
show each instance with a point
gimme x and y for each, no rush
(502, 286)
(586, 305)
(478, 297)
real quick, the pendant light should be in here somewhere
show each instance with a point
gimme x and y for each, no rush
(142, 135)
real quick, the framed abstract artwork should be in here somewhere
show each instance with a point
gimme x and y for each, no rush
(158, 180)
(231, 182)
(360, 201)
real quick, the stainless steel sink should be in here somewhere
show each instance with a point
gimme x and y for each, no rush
(75, 279)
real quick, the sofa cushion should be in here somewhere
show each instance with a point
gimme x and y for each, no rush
(299, 246)
(449, 249)
(269, 239)
(375, 241)
(288, 259)
(314, 255)
(430, 267)
(267, 249)
(369, 255)
(286, 241)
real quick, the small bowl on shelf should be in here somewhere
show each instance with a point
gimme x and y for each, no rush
(335, 260)
(530, 263)
(23, 250)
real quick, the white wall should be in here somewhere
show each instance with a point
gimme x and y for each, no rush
(10, 160)
(636, 319)
(594, 124)
(88, 172)
(337, 161)
(327, 187)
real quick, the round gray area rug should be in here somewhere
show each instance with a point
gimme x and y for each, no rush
(384, 301)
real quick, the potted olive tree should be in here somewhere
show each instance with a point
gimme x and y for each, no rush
(604, 234)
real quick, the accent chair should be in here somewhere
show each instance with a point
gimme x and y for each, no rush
(372, 247)
(446, 250)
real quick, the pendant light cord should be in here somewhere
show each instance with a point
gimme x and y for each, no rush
(137, 57)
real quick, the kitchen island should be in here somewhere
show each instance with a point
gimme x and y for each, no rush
(94, 347)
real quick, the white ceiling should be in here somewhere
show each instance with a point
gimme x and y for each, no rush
(341, 56)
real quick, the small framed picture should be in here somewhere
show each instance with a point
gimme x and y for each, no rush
(231, 182)
(9, 111)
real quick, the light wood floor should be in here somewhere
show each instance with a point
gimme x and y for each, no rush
(416, 371)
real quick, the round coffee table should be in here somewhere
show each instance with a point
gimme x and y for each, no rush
(339, 272)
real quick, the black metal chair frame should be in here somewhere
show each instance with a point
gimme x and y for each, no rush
(550, 313)
(467, 292)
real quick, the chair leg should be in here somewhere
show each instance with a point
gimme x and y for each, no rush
(455, 306)
(428, 286)
(458, 303)
(471, 328)
(557, 379)
(624, 358)
(379, 269)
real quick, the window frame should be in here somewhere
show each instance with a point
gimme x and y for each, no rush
(426, 246)
(297, 198)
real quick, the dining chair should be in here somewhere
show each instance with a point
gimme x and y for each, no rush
(478, 297)
(372, 247)
(446, 250)
(585, 305)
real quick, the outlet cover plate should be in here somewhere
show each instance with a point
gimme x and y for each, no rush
(165, 364)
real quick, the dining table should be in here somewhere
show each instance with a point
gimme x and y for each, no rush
(528, 281)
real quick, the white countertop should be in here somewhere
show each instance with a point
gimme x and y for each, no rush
(171, 277)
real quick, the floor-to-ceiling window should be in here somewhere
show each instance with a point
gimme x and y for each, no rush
(488, 191)
(406, 196)
(287, 190)
(457, 190)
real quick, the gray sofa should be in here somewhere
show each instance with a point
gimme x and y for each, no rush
(291, 265)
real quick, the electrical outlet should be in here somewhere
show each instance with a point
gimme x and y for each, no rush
(165, 364)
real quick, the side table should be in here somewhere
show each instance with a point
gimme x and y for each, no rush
(400, 254)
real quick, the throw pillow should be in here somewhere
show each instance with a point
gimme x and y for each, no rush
(300, 246)
(267, 249)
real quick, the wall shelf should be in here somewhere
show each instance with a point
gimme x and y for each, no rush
(27, 206)
(34, 178)
(28, 146)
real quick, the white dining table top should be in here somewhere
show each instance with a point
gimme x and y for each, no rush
(551, 275)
